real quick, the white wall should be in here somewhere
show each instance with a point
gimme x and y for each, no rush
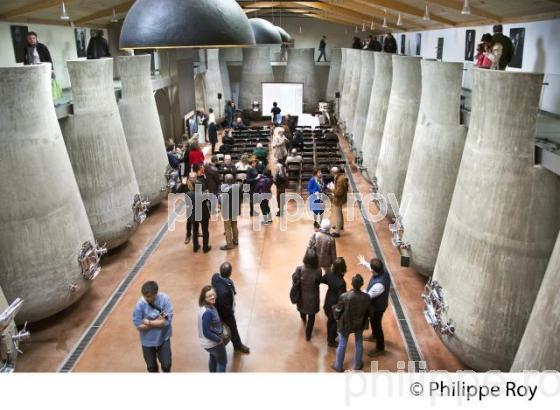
(59, 39)
(541, 52)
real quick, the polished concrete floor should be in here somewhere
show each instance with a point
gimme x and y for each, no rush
(268, 322)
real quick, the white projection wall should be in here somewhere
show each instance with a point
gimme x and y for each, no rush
(289, 97)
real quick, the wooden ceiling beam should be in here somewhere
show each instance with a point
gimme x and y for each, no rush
(404, 8)
(458, 5)
(32, 7)
(119, 8)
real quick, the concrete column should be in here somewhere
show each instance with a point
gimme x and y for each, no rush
(200, 92)
(501, 226)
(400, 125)
(255, 71)
(43, 222)
(348, 72)
(226, 85)
(301, 69)
(142, 128)
(378, 105)
(99, 154)
(182, 92)
(354, 89)
(213, 81)
(539, 347)
(434, 162)
(363, 96)
(334, 74)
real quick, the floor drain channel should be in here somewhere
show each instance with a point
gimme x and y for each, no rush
(106, 310)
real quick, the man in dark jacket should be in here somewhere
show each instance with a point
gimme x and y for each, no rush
(378, 290)
(374, 44)
(35, 52)
(225, 304)
(351, 313)
(252, 179)
(213, 178)
(390, 44)
(507, 46)
(98, 47)
(322, 49)
(334, 279)
(200, 216)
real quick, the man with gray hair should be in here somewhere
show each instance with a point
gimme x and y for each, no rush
(339, 198)
(230, 200)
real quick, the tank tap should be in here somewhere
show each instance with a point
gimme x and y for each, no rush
(140, 208)
(90, 260)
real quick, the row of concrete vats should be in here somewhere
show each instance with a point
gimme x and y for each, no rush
(478, 215)
(256, 70)
(68, 195)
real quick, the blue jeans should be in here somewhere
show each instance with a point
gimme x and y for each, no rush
(218, 359)
(341, 350)
(162, 352)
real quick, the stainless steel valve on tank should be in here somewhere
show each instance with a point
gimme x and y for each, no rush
(435, 308)
(140, 208)
(10, 338)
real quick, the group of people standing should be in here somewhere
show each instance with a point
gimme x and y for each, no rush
(494, 52)
(388, 44)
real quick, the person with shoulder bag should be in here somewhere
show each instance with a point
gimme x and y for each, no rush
(309, 301)
(212, 333)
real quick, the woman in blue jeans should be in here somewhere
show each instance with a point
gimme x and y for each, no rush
(210, 330)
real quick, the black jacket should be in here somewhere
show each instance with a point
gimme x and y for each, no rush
(44, 55)
(202, 214)
(225, 294)
(212, 133)
(213, 178)
(336, 287)
(390, 45)
(352, 312)
(97, 48)
(374, 46)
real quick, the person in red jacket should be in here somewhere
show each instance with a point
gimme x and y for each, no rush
(196, 156)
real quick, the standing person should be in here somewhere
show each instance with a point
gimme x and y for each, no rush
(340, 198)
(186, 187)
(378, 290)
(309, 276)
(315, 188)
(196, 156)
(281, 181)
(228, 113)
(225, 303)
(97, 47)
(252, 177)
(242, 166)
(505, 53)
(276, 114)
(334, 279)
(231, 209)
(212, 131)
(201, 215)
(35, 52)
(357, 44)
(211, 330)
(263, 187)
(390, 44)
(211, 116)
(284, 52)
(374, 44)
(324, 245)
(280, 144)
(193, 125)
(322, 49)
(261, 154)
(352, 317)
(152, 317)
(484, 57)
(213, 177)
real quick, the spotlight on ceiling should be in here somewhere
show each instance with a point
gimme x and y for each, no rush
(399, 20)
(426, 13)
(64, 15)
(466, 8)
(186, 24)
(114, 19)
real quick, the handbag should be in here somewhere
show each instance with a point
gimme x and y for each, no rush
(226, 334)
(295, 291)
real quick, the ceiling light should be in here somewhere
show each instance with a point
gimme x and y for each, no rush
(466, 8)
(356, 29)
(363, 27)
(384, 22)
(399, 20)
(300, 31)
(114, 19)
(186, 24)
(426, 13)
(265, 32)
(371, 27)
(64, 15)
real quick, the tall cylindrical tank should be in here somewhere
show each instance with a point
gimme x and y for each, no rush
(434, 162)
(539, 346)
(400, 125)
(226, 84)
(99, 154)
(334, 73)
(501, 226)
(256, 70)
(364, 96)
(354, 89)
(301, 69)
(347, 84)
(377, 113)
(43, 223)
(142, 128)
